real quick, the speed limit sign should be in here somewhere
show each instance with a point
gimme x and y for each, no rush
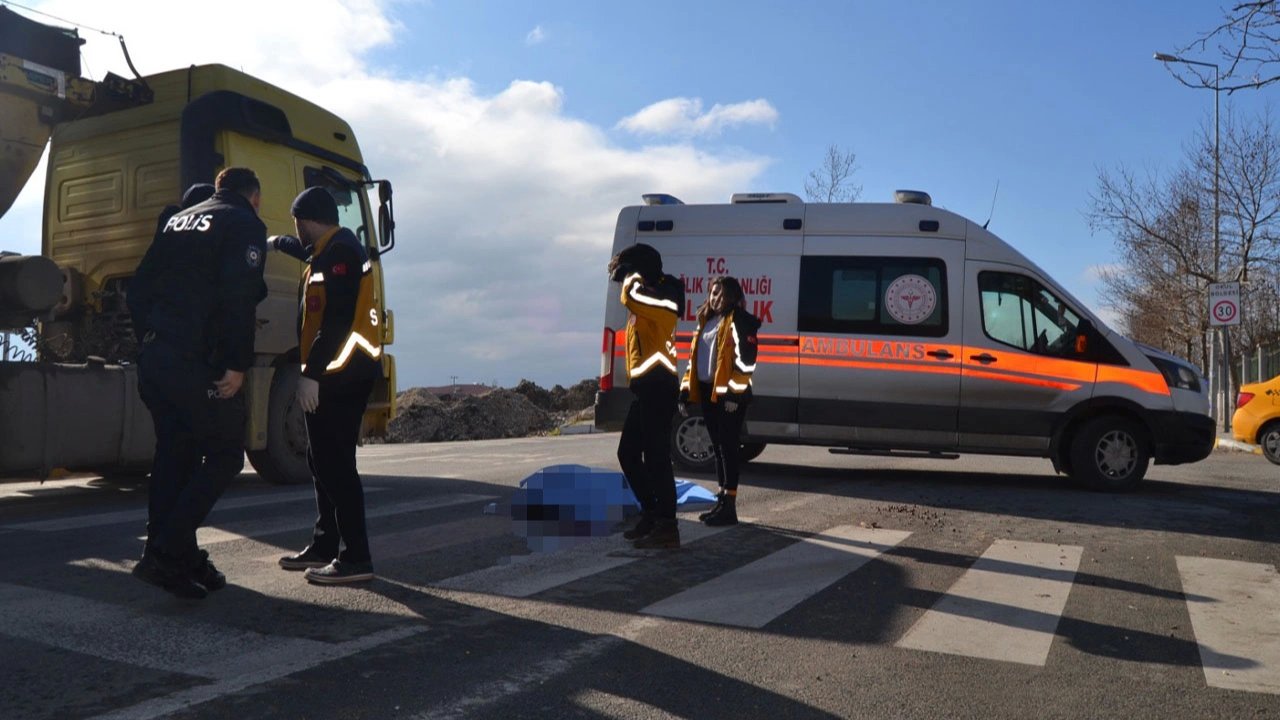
(1224, 304)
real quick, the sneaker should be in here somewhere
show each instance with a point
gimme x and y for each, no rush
(642, 528)
(309, 558)
(207, 575)
(340, 573)
(150, 569)
(665, 536)
(715, 508)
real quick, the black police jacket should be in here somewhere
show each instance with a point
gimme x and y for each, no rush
(199, 285)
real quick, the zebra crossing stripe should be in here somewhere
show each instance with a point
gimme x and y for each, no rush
(527, 575)
(756, 593)
(241, 529)
(1235, 608)
(1006, 606)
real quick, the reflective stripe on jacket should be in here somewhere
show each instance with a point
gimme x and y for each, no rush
(651, 325)
(734, 358)
(339, 328)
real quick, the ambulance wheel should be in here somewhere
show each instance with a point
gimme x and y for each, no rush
(1109, 453)
(751, 451)
(691, 443)
(284, 460)
(1269, 439)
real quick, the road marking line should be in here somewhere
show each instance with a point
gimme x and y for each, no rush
(266, 667)
(1005, 607)
(80, 522)
(244, 529)
(1235, 608)
(527, 575)
(757, 593)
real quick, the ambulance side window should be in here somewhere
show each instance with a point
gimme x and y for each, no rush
(1020, 312)
(873, 295)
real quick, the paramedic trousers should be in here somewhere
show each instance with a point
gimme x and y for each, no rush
(644, 451)
(725, 429)
(199, 446)
(333, 431)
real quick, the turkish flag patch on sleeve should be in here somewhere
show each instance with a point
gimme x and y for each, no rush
(339, 269)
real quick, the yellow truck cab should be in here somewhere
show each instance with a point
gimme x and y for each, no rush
(109, 177)
(903, 329)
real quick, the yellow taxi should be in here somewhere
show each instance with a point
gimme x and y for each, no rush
(1257, 417)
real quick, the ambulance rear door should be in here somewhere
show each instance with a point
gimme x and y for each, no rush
(753, 243)
(880, 328)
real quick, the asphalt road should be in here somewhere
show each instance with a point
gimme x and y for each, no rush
(858, 588)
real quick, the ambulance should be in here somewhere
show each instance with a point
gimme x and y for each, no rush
(903, 329)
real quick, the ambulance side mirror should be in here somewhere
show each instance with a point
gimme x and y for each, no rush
(1084, 332)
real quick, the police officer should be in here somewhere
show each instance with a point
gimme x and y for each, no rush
(193, 301)
(653, 301)
(341, 351)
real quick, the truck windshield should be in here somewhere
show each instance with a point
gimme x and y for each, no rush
(351, 211)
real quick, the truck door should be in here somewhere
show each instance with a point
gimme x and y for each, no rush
(880, 329)
(1019, 377)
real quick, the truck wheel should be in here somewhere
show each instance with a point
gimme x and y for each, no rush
(284, 459)
(691, 444)
(1109, 453)
(751, 451)
(1269, 439)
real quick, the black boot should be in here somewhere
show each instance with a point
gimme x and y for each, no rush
(641, 528)
(665, 535)
(728, 513)
(715, 508)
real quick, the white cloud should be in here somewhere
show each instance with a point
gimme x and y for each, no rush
(684, 117)
(505, 205)
(535, 36)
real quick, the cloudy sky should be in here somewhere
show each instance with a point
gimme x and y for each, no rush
(514, 132)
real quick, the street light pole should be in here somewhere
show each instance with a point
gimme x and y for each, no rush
(1220, 364)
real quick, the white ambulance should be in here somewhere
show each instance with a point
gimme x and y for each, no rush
(903, 329)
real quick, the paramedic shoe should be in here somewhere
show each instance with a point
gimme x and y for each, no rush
(173, 579)
(665, 535)
(727, 514)
(309, 558)
(207, 575)
(339, 572)
(714, 508)
(642, 528)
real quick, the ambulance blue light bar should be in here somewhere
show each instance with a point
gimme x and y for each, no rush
(661, 199)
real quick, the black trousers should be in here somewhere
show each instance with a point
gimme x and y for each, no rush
(332, 433)
(644, 451)
(725, 429)
(199, 446)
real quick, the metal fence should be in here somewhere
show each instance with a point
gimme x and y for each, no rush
(1261, 363)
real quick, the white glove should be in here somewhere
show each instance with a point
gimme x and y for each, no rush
(684, 409)
(730, 406)
(308, 394)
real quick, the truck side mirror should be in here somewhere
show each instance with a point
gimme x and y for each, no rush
(386, 218)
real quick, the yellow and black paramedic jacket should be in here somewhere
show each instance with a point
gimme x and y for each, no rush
(339, 334)
(733, 360)
(651, 327)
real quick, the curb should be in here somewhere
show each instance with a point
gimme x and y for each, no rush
(1236, 446)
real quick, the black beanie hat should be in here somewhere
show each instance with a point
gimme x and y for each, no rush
(315, 203)
(196, 194)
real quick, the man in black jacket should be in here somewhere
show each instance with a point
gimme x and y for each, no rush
(341, 349)
(194, 300)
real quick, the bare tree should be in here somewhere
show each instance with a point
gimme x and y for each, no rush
(1245, 44)
(832, 182)
(1164, 236)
